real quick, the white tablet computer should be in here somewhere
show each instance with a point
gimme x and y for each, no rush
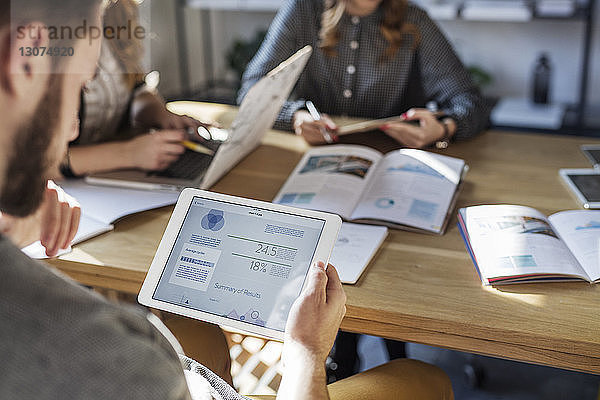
(584, 184)
(236, 262)
(592, 153)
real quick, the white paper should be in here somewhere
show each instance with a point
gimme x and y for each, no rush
(38, 252)
(107, 204)
(101, 206)
(355, 247)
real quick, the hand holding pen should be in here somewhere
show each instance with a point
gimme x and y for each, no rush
(189, 139)
(314, 127)
(314, 113)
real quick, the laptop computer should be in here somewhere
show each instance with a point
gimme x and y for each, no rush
(256, 115)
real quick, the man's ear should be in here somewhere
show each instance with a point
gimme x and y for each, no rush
(24, 70)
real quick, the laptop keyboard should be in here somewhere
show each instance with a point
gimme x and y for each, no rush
(190, 165)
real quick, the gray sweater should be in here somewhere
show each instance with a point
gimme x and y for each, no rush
(58, 340)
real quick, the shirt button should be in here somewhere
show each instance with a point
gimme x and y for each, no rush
(351, 69)
(347, 93)
(354, 45)
(355, 20)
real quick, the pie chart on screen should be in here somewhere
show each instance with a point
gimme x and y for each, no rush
(384, 202)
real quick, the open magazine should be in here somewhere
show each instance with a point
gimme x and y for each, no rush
(405, 189)
(511, 244)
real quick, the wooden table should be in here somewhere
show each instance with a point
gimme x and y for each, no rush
(420, 288)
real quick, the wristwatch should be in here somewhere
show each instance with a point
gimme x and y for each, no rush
(445, 140)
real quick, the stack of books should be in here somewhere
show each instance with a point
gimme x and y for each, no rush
(521, 112)
(497, 10)
(555, 8)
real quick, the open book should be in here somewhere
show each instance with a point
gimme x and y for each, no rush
(405, 189)
(511, 244)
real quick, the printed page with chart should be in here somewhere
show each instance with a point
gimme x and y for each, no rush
(405, 189)
(512, 244)
(330, 178)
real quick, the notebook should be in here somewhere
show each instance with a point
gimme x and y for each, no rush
(102, 206)
(355, 248)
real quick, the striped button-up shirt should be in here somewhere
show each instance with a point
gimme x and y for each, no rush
(357, 82)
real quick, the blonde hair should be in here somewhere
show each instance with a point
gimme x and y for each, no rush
(129, 53)
(393, 28)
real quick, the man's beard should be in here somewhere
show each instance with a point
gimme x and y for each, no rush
(27, 168)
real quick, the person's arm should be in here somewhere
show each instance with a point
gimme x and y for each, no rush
(310, 129)
(304, 376)
(148, 110)
(311, 328)
(54, 224)
(150, 151)
(428, 131)
(447, 81)
(282, 40)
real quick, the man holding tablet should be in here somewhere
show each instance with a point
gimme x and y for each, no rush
(235, 261)
(58, 340)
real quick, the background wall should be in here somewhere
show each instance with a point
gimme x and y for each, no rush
(506, 50)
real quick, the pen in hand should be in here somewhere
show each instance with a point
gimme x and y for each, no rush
(314, 113)
(196, 147)
(191, 145)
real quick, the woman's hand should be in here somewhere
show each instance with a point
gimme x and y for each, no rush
(311, 328)
(168, 120)
(311, 130)
(155, 151)
(55, 223)
(148, 111)
(429, 130)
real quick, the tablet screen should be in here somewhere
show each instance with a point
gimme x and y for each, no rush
(239, 262)
(594, 154)
(588, 185)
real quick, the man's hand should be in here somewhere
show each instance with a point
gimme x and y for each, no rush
(426, 133)
(311, 328)
(155, 151)
(310, 130)
(54, 224)
(60, 214)
(316, 315)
